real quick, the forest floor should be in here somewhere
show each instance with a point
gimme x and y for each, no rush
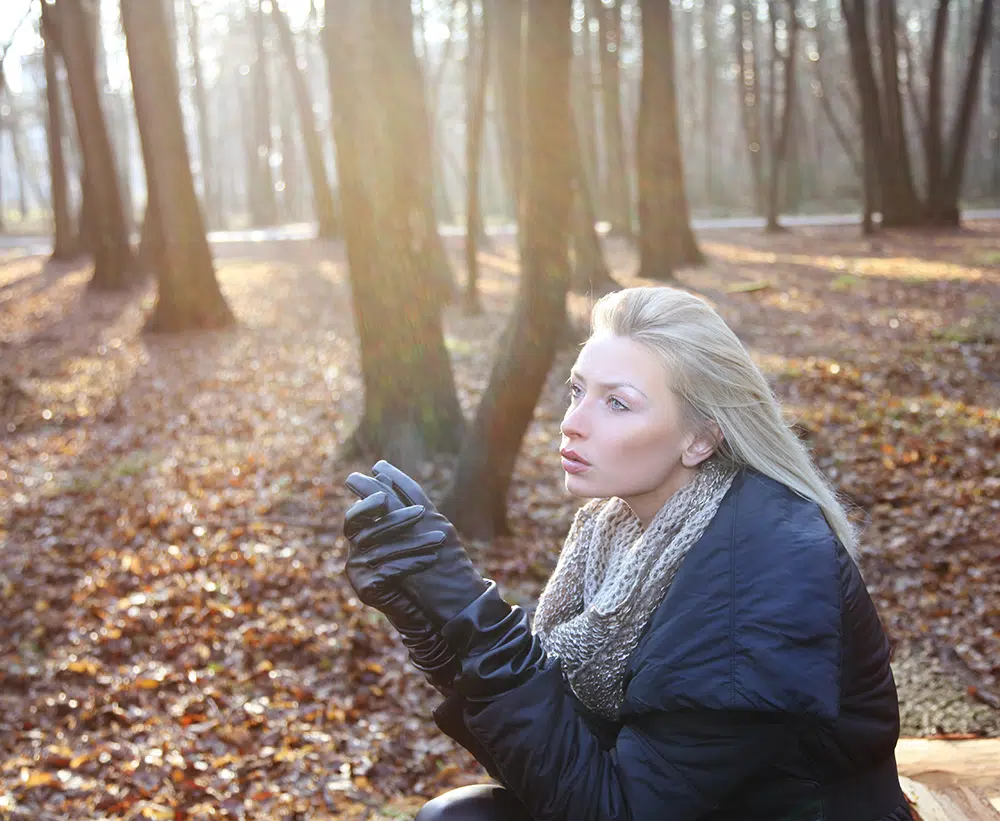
(178, 639)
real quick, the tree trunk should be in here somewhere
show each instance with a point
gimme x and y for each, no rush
(404, 94)
(264, 205)
(3, 209)
(900, 203)
(322, 193)
(618, 193)
(440, 198)
(288, 185)
(709, 32)
(210, 199)
(589, 274)
(823, 91)
(933, 142)
(666, 241)
(15, 150)
(856, 22)
(781, 131)
(63, 240)
(411, 406)
(245, 125)
(682, 19)
(477, 73)
(583, 84)
(945, 210)
(112, 253)
(994, 86)
(123, 139)
(750, 96)
(477, 501)
(508, 18)
(189, 297)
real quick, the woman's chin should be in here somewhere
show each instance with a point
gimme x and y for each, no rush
(578, 486)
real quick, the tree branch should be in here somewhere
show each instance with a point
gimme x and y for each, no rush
(6, 46)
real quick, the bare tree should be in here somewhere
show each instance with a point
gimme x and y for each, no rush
(823, 92)
(886, 156)
(189, 296)
(666, 241)
(709, 30)
(888, 171)
(477, 74)
(411, 406)
(401, 86)
(617, 193)
(63, 240)
(780, 128)
(6, 46)
(112, 252)
(323, 205)
(210, 197)
(589, 273)
(477, 501)
(263, 204)
(750, 93)
(508, 17)
(434, 95)
(946, 163)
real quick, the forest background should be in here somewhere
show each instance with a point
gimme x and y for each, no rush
(247, 247)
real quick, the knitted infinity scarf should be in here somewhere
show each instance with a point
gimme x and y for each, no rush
(610, 578)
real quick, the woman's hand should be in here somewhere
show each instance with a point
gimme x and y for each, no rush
(412, 548)
(368, 520)
(422, 555)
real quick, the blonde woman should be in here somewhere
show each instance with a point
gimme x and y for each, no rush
(704, 649)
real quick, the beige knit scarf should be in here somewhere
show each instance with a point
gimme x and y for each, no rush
(610, 578)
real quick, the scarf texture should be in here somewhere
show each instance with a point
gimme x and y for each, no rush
(610, 578)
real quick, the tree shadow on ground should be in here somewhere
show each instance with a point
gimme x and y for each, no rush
(48, 273)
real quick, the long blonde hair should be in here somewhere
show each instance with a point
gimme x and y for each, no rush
(712, 373)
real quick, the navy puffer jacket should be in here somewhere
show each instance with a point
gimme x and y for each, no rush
(761, 689)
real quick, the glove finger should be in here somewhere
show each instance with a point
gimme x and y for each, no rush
(370, 507)
(364, 512)
(361, 486)
(407, 547)
(388, 529)
(408, 489)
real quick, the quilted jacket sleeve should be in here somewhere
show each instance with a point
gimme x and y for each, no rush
(449, 716)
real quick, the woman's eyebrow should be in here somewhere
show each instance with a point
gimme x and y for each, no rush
(608, 386)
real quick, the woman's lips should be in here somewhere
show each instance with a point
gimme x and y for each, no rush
(572, 462)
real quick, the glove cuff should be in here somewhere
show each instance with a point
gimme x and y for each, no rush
(495, 646)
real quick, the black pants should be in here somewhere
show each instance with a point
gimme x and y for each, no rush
(488, 802)
(478, 802)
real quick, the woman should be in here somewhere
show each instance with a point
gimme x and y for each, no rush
(705, 648)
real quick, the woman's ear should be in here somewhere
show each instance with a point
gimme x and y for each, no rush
(702, 445)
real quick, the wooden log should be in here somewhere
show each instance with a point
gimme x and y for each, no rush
(952, 802)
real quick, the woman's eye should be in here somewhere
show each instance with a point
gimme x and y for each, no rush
(616, 404)
(575, 391)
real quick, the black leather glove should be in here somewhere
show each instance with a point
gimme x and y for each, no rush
(422, 555)
(492, 640)
(368, 520)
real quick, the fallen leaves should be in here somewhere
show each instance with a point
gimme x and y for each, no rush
(179, 641)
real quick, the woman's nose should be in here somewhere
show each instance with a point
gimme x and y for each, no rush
(572, 423)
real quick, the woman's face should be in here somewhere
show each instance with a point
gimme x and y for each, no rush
(623, 434)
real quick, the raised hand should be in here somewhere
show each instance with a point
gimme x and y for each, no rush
(399, 547)
(377, 513)
(423, 556)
